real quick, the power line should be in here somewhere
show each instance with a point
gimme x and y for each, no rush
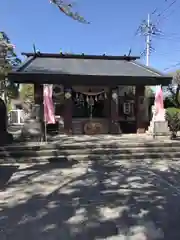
(172, 66)
(167, 38)
(162, 15)
(166, 9)
(146, 29)
(139, 30)
(136, 32)
(150, 30)
(165, 17)
(156, 10)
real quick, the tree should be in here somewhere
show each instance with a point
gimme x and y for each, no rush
(27, 93)
(67, 9)
(149, 92)
(8, 60)
(174, 89)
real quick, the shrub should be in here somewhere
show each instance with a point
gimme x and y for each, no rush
(173, 118)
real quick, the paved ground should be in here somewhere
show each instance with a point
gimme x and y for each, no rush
(95, 200)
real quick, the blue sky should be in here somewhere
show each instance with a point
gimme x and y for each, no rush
(113, 24)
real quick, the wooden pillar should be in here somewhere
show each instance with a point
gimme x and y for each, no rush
(38, 100)
(68, 111)
(114, 127)
(140, 123)
(38, 93)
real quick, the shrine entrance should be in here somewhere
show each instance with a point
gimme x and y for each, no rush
(89, 102)
(90, 109)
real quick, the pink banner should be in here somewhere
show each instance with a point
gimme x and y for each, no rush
(159, 101)
(49, 115)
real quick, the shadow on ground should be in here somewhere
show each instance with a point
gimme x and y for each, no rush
(105, 200)
(6, 172)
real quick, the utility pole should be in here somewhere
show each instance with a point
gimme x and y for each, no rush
(148, 40)
(147, 29)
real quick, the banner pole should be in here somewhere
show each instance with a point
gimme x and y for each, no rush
(45, 125)
(45, 131)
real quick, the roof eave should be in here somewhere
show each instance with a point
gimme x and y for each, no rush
(150, 69)
(77, 79)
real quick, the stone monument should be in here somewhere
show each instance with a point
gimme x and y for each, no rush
(158, 125)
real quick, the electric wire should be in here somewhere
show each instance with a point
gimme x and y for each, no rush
(172, 66)
(143, 29)
(166, 9)
(161, 36)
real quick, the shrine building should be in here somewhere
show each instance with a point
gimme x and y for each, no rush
(92, 94)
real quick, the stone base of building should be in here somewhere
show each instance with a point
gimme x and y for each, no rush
(141, 130)
(142, 127)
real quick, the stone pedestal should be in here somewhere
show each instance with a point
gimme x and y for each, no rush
(158, 125)
(158, 128)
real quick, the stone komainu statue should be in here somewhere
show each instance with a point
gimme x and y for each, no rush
(32, 129)
(3, 118)
(5, 137)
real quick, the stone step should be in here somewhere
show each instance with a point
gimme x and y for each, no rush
(79, 158)
(35, 146)
(121, 152)
(139, 156)
(77, 127)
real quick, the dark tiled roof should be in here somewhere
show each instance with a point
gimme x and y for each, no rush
(87, 66)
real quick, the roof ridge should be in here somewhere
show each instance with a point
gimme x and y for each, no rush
(81, 56)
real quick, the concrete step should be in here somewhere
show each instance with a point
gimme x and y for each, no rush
(74, 145)
(79, 158)
(92, 147)
(120, 152)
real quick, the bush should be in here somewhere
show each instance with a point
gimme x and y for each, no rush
(173, 118)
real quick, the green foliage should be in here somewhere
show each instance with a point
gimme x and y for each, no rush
(12, 90)
(168, 102)
(173, 118)
(149, 92)
(9, 107)
(174, 88)
(7, 50)
(173, 111)
(8, 60)
(27, 92)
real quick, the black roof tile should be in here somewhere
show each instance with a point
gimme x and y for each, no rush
(102, 66)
